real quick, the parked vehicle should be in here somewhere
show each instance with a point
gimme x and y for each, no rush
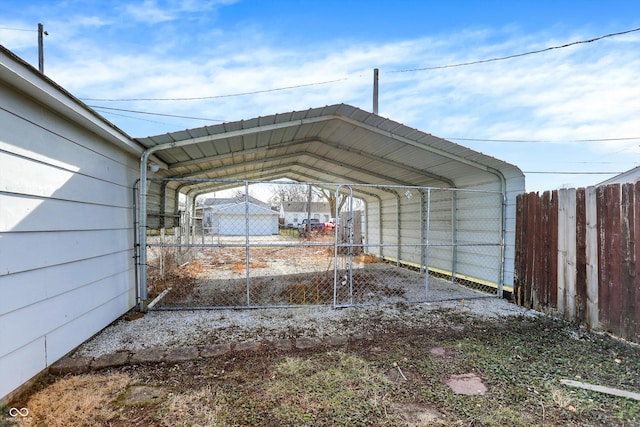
(309, 226)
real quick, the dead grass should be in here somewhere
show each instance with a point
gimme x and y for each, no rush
(181, 279)
(199, 407)
(391, 378)
(366, 259)
(240, 267)
(81, 400)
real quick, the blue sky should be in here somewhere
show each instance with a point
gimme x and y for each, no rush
(560, 112)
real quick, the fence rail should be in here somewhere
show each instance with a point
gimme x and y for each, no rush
(576, 256)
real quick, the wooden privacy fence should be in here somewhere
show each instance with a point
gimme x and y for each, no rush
(576, 256)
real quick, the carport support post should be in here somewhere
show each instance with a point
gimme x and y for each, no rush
(426, 243)
(142, 226)
(142, 230)
(246, 239)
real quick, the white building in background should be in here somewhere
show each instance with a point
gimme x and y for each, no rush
(630, 176)
(231, 219)
(294, 212)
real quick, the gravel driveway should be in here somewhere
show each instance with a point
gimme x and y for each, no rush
(203, 327)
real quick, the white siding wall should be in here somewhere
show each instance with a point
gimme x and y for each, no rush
(66, 260)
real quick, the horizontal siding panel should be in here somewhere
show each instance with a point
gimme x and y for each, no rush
(37, 320)
(74, 333)
(24, 176)
(57, 139)
(31, 287)
(21, 365)
(20, 214)
(29, 251)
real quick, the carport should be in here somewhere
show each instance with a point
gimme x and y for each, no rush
(430, 205)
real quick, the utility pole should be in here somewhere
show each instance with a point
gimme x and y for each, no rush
(375, 91)
(41, 34)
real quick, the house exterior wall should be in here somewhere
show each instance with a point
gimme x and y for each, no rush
(66, 238)
(295, 218)
(231, 220)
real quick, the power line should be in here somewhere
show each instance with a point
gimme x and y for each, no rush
(347, 78)
(542, 140)
(98, 107)
(571, 173)
(219, 96)
(517, 55)
(18, 29)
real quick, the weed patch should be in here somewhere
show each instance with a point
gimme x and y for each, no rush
(391, 378)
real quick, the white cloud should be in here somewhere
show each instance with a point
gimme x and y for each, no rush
(589, 91)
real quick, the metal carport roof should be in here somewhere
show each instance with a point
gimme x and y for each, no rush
(336, 143)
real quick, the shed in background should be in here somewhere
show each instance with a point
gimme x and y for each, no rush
(231, 220)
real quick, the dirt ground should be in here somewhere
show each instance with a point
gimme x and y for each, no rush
(285, 271)
(389, 373)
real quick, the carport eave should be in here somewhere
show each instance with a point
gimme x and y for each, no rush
(340, 113)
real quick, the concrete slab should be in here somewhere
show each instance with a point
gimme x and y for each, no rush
(282, 344)
(337, 340)
(308, 342)
(215, 350)
(154, 354)
(119, 358)
(181, 354)
(248, 346)
(71, 365)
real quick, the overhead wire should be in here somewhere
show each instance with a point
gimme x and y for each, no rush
(482, 61)
(199, 98)
(517, 55)
(99, 107)
(18, 29)
(109, 109)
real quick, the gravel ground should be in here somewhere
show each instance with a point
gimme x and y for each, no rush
(172, 329)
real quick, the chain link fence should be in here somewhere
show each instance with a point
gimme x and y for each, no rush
(289, 244)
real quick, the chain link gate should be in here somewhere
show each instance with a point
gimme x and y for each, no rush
(359, 244)
(414, 244)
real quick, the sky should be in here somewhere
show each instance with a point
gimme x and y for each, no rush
(566, 113)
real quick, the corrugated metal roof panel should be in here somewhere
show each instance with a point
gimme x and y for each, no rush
(332, 143)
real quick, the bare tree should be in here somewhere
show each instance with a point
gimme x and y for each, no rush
(288, 193)
(330, 197)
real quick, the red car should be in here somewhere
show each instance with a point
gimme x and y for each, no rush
(331, 225)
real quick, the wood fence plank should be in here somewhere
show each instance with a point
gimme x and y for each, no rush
(545, 220)
(581, 256)
(603, 260)
(560, 249)
(553, 255)
(538, 276)
(518, 250)
(531, 249)
(636, 259)
(570, 255)
(627, 263)
(591, 239)
(614, 257)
